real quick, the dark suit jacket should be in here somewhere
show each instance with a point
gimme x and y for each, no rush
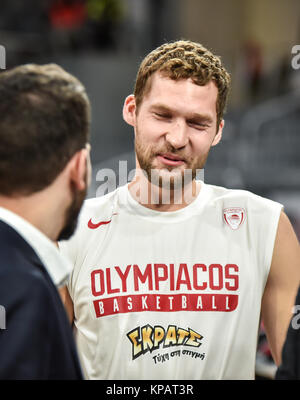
(38, 340)
(290, 366)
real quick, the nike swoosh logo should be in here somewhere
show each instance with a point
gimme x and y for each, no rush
(91, 225)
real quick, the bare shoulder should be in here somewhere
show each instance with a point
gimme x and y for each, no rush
(286, 254)
(282, 286)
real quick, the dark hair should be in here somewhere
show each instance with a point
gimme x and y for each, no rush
(44, 121)
(184, 59)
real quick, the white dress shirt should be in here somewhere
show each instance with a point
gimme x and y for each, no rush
(58, 266)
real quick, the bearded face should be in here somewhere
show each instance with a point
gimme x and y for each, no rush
(175, 128)
(167, 176)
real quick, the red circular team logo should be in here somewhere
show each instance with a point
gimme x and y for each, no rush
(234, 217)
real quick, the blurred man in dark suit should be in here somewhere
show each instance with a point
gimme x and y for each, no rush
(289, 368)
(44, 174)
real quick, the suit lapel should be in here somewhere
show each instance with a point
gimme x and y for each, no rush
(13, 239)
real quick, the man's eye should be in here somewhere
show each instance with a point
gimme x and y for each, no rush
(162, 116)
(198, 125)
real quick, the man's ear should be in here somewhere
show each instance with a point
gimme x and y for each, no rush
(80, 169)
(129, 110)
(218, 136)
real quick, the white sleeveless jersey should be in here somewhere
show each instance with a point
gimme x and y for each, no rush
(171, 295)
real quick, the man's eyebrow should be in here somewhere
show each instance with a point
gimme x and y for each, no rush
(160, 107)
(195, 117)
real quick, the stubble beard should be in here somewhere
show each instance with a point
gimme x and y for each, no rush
(170, 178)
(72, 213)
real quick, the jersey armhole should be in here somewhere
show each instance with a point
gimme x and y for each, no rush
(271, 236)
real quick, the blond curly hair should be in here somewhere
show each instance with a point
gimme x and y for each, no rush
(184, 59)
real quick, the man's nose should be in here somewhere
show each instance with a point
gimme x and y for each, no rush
(177, 135)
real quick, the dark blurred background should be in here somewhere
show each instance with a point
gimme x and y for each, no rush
(103, 41)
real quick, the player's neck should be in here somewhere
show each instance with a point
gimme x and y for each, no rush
(163, 199)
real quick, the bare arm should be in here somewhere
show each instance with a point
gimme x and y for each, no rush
(281, 288)
(67, 302)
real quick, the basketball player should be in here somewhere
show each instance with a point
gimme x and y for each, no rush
(44, 172)
(171, 275)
